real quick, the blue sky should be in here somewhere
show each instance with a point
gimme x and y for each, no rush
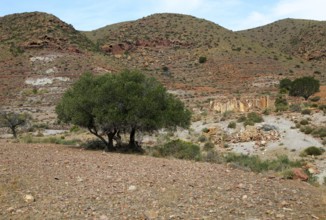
(231, 14)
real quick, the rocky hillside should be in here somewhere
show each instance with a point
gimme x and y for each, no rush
(196, 59)
(295, 37)
(40, 30)
(169, 46)
(39, 58)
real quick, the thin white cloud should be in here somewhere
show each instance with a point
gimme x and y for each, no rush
(304, 9)
(309, 9)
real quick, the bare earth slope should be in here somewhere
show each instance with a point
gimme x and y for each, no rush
(69, 183)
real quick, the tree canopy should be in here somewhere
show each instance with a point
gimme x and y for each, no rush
(12, 120)
(126, 102)
(304, 87)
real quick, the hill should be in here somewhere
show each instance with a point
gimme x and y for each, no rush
(41, 56)
(296, 37)
(168, 47)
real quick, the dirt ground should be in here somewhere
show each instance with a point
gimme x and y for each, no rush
(40, 181)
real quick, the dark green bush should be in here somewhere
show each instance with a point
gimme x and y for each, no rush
(281, 104)
(181, 150)
(242, 118)
(202, 138)
(315, 99)
(208, 146)
(306, 111)
(304, 122)
(232, 124)
(255, 117)
(313, 151)
(202, 59)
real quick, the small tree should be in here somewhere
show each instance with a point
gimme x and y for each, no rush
(304, 86)
(125, 102)
(12, 121)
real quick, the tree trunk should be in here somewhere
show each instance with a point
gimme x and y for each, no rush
(13, 130)
(117, 138)
(110, 146)
(94, 132)
(132, 142)
(133, 145)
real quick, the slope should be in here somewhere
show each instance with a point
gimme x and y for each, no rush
(296, 37)
(168, 47)
(39, 58)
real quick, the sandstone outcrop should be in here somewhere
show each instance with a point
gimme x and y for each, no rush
(242, 104)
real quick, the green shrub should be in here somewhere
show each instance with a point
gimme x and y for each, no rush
(232, 124)
(248, 122)
(288, 174)
(213, 157)
(255, 164)
(306, 111)
(308, 130)
(202, 138)
(202, 59)
(205, 130)
(313, 151)
(319, 132)
(255, 117)
(208, 146)
(315, 99)
(304, 122)
(295, 108)
(180, 150)
(281, 104)
(242, 118)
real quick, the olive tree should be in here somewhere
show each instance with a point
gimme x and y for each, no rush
(125, 102)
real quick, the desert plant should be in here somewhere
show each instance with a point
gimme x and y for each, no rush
(313, 151)
(306, 111)
(304, 122)
(295, 108)
(232, 125)
(315, 99)
(180, 150)
(242, 118)
(281, 104)
(208, 146)
(202, 59)
(255, 117)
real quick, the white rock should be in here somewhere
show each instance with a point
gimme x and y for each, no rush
(132, 188)
(29, 198)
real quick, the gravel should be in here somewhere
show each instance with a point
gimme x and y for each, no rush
(69, 183)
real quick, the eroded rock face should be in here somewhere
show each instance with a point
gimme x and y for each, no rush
(241, 105)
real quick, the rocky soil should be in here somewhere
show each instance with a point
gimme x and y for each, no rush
(59, 182)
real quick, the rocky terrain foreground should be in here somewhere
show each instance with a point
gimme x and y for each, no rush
(59, 182)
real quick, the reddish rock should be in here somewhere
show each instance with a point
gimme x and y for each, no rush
(299, 174)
